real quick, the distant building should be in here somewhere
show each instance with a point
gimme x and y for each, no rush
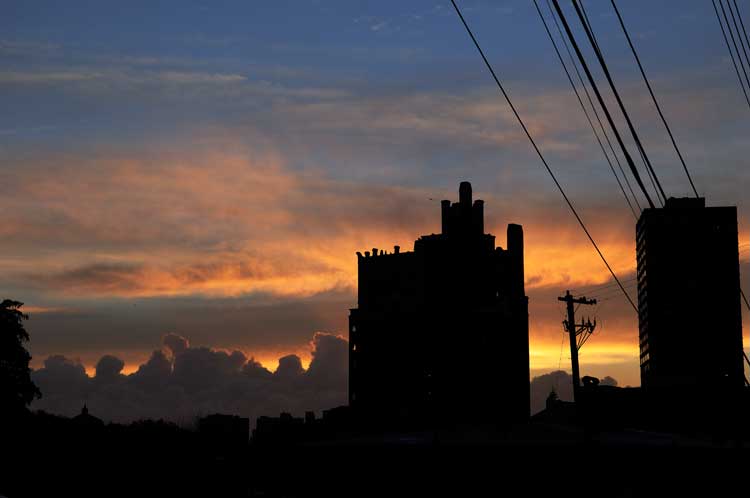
(442, 332)
(86, 420)
(284, 429)
(689, 296)
(224, 432)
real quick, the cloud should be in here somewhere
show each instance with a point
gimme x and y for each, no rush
(608, 381)
(329, 367)
(19, 77)
(559, 381)
(264, 250)
(176, 343)
(196, 381)
(119, 77)
(64, 384)
(169, 224)
(211, 217)
(108, 368)
(183, 77)
(200, 380)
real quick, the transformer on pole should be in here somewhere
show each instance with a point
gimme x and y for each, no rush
(578, 334)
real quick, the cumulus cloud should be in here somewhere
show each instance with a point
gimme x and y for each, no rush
(199, 380)
(330, 361)
(176, 343)
(290, 367)
(193, 381)
(559, 381)
(64, 383)
(108, 368)
(608, 381)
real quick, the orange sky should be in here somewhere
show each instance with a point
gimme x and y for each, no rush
(170, 224)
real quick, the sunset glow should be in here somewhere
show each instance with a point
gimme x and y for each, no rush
(217, 184)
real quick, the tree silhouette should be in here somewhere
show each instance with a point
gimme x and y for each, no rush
(16, 387)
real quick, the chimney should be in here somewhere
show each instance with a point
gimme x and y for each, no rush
(515, 251)
(445, 211)
(464, 193)
(477, 217)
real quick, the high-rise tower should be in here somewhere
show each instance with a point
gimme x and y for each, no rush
(689, 296)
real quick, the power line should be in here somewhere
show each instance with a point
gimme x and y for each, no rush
(611, 122)
(742, 23)
(600, 57)
(583, 107)
(595, 44)
(539, 152)
(737, 28)
(731, 54)
(612, 292)
(731, 35)
(601, 288)
(607, 290)
(653, 97)
(650, 174)
(593, 107)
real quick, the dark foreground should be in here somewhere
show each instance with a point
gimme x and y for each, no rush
(47, 457)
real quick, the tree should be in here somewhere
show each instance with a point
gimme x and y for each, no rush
(17, 390)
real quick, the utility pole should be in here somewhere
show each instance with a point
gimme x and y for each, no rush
(584, 330)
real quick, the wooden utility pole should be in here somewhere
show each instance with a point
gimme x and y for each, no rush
(584, 329)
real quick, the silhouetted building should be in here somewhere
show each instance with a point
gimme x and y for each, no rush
(284, 429)
(86, 420)
(224, 432)
(689, 296)
(442, 332)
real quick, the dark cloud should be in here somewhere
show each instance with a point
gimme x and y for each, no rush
(108, 368)
(608, 381)
(154, 373)
(254, 370)
(176, 343)
(559, 381)
(197, 380)
(257, 323)
(329, 367)
(290, 367)
(64, 384)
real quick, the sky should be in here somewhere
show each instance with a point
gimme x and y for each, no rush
(209, 169)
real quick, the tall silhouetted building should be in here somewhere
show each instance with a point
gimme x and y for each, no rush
(442, 332)
(689, 296)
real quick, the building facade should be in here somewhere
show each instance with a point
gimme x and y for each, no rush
(441, 332)
(690, 326)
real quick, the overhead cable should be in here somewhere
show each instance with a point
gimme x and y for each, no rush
(600, 57)
(539, 153)
(731, 54)
(603, 105)
(585, 112)
(593, 107)
(653, 97)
